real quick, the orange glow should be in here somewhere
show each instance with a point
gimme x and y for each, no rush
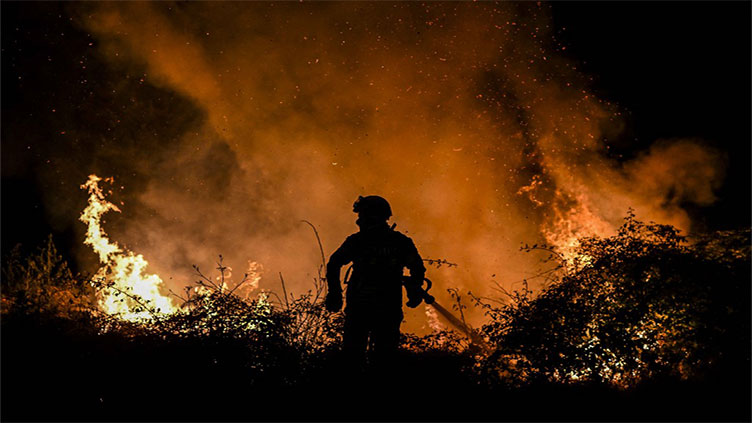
(123, 269)
(463, 115)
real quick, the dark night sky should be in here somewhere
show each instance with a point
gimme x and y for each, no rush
(679, 69)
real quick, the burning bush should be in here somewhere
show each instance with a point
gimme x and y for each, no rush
(55, 333)
(642, 304)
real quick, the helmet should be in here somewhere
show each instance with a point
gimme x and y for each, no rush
(372, 205)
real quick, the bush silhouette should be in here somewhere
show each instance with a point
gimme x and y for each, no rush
(642, 304)
(645, 306)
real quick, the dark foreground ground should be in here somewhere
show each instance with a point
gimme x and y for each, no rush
(49, 374)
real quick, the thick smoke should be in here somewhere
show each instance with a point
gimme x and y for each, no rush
(465, 116)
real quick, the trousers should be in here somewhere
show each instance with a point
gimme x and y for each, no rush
(371, 335)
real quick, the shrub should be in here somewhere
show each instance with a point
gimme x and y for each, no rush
(642, 304)
(43, 283)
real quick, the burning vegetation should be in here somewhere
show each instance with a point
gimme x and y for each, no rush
(620, 312)
(128, 291)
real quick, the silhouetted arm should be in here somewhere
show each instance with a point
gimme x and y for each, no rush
(414, 263)
(339, 258)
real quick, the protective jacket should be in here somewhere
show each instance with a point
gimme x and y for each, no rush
(379, 256)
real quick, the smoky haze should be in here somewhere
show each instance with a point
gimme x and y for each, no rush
(465, 116)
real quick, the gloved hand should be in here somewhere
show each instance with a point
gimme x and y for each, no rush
(333, 301)
(414, 297)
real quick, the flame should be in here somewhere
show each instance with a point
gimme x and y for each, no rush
(570, 223)
(132, 294)
(252, 278)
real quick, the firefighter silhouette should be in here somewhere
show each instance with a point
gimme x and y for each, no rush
(379, 255)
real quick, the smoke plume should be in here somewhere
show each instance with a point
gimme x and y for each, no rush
(465, 116)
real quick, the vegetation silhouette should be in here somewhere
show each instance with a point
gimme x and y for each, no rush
(640, 305)
(644, 325)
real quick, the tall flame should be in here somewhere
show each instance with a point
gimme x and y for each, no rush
(131, 292)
